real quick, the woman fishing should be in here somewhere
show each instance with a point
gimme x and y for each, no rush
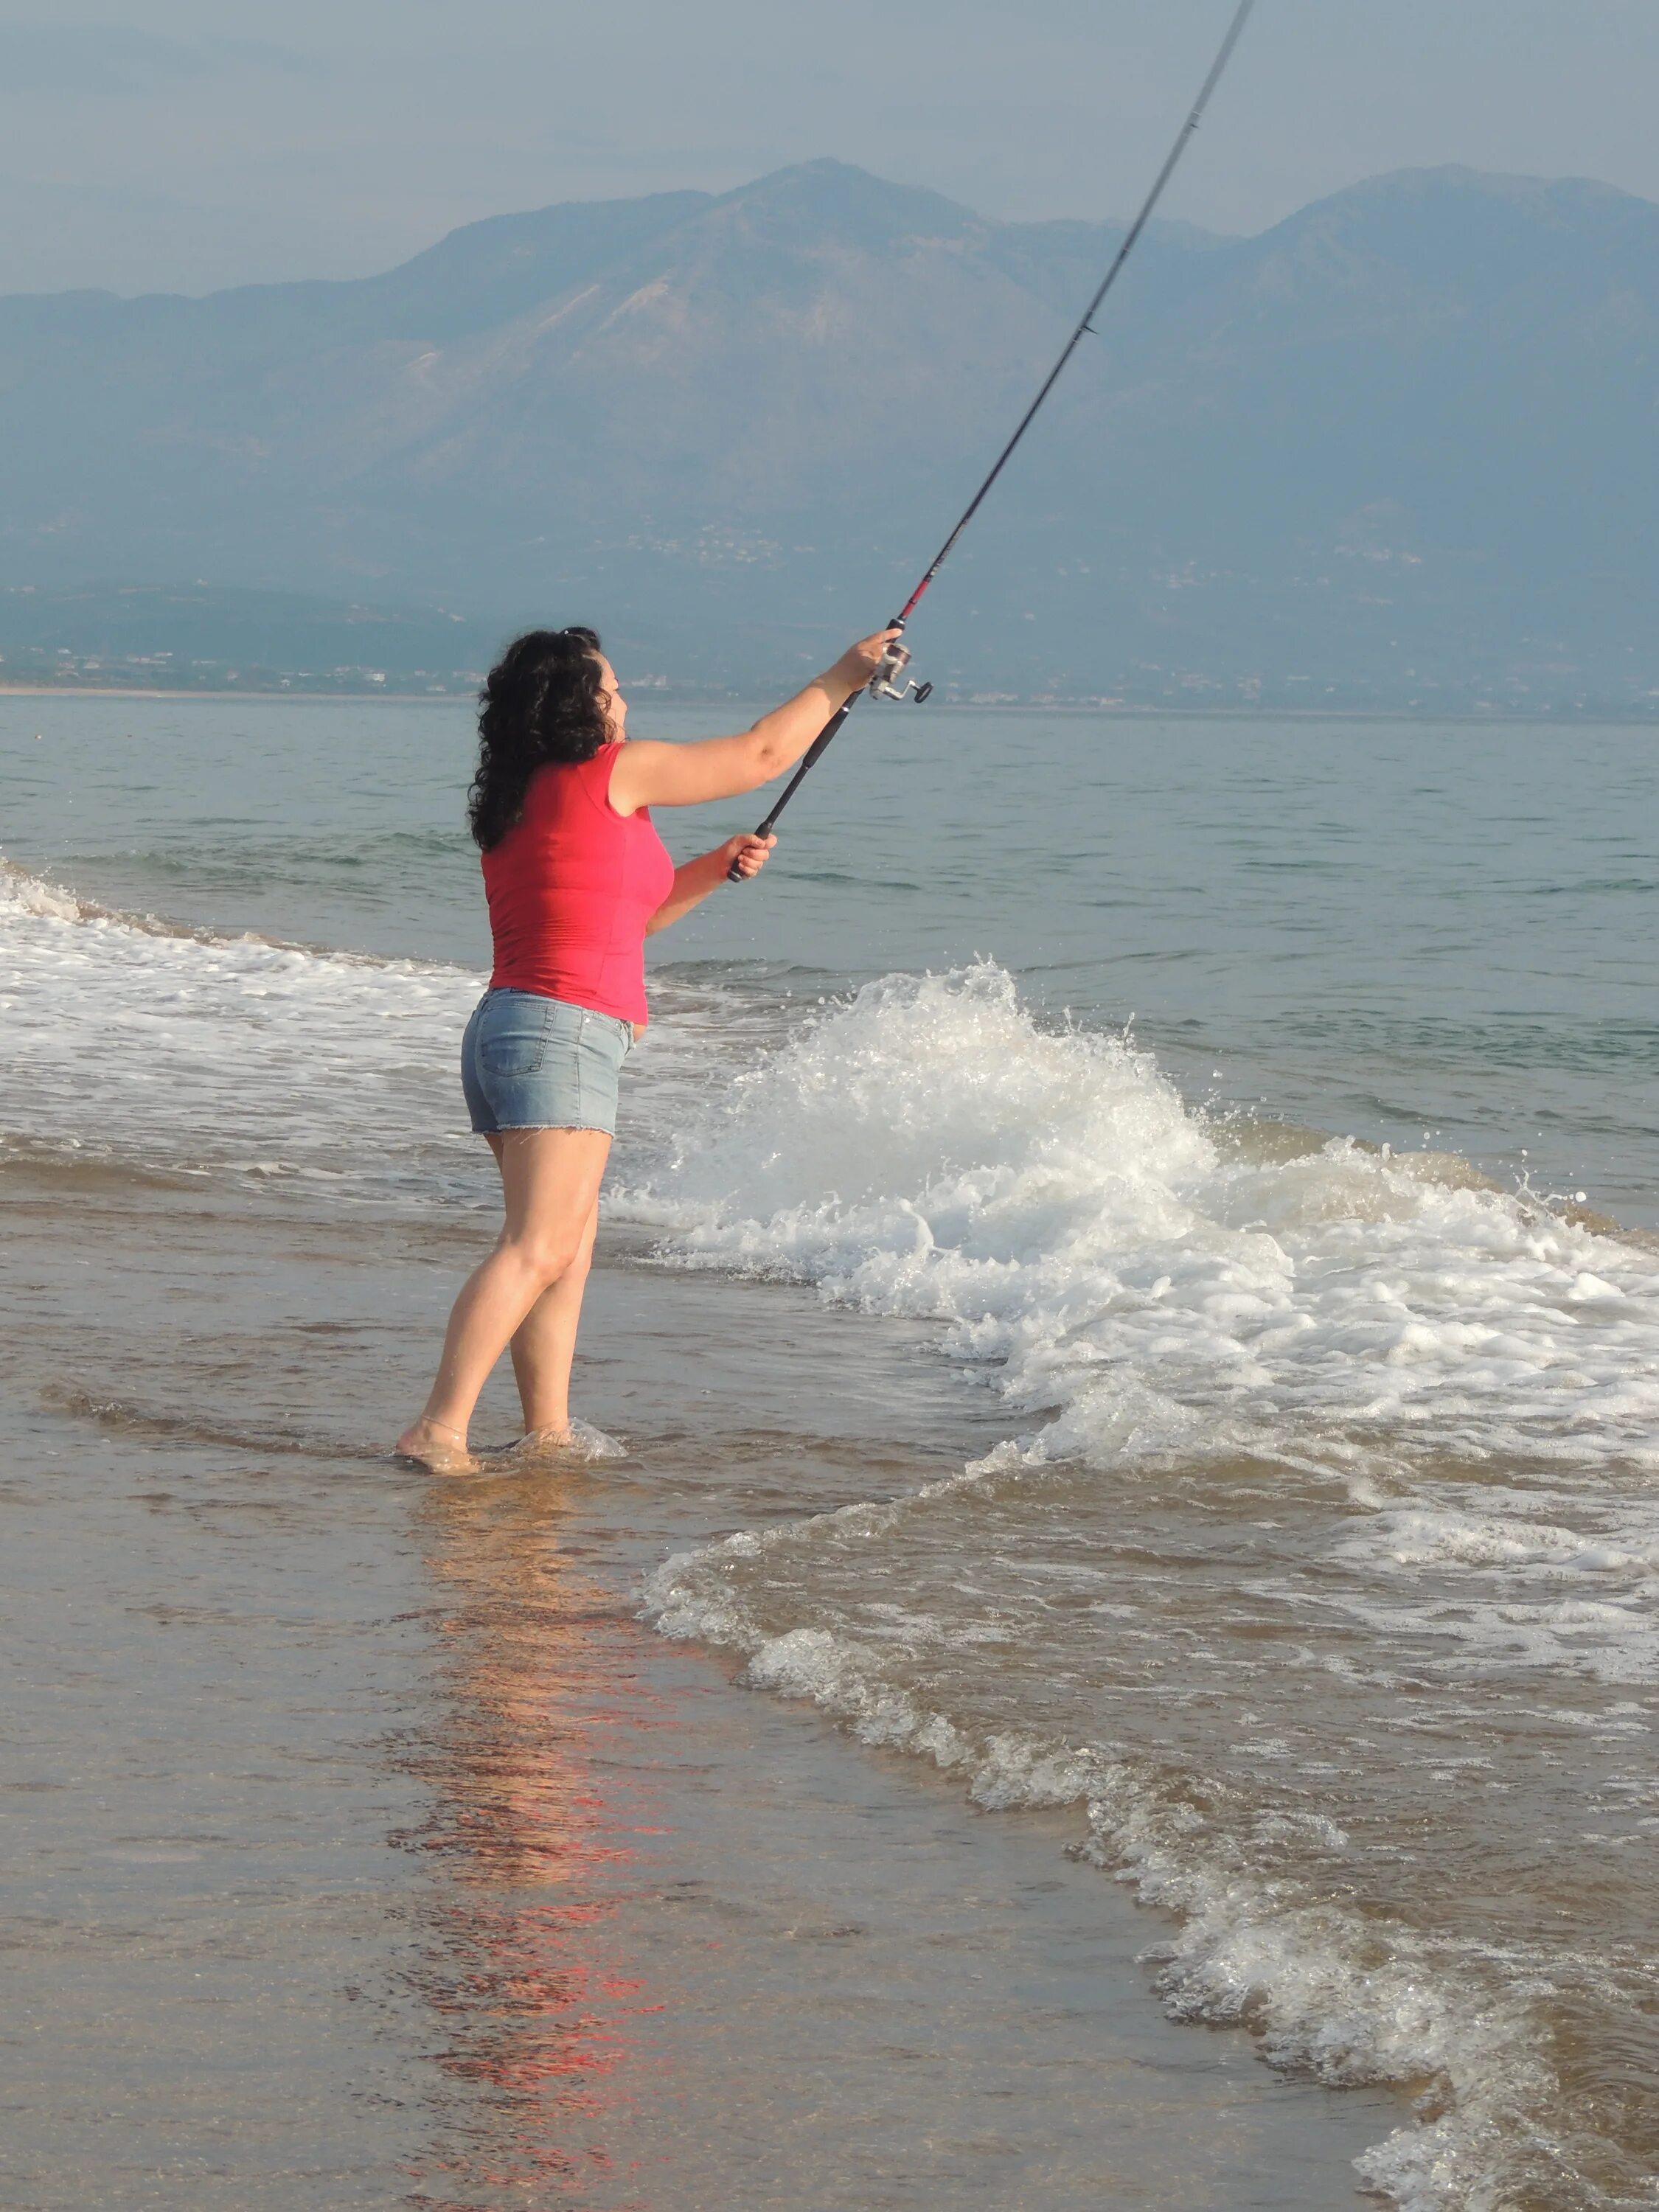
(576, 878)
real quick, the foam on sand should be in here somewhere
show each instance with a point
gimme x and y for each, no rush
(1442, 1399)
(1347, 1996)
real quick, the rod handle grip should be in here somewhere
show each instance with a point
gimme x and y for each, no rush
(734, 874)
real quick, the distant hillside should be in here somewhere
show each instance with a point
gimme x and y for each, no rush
(1401, 447)
(194, 637)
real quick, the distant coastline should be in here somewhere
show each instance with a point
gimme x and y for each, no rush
(1590, 715)
(214, 691)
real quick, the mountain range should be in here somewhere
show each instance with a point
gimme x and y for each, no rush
(1400, 449)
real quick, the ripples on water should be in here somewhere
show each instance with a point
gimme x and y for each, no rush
(1317, 1571)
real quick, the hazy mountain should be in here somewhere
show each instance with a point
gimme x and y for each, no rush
(195, 637)
(1406, 439)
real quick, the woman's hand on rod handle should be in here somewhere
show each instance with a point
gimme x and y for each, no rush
(746, 854)
(858, 664)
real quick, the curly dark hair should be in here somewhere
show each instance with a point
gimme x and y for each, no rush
(545, 700)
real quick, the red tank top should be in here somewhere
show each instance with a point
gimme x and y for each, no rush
(571, 888)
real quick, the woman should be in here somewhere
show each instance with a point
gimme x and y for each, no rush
(576, 878)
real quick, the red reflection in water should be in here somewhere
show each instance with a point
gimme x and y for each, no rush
(543, 2020)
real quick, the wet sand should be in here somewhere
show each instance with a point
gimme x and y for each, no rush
(364, 1849)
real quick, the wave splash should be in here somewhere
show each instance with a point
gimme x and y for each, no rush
(175, 1048)
(1153, 1279)
(1432, 1367)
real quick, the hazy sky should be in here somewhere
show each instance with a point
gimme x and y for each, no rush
(184, 144)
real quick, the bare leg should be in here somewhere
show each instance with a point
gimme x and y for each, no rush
(546, 1344)
(550, 1188)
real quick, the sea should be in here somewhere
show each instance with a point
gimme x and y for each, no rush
(1130, 1306)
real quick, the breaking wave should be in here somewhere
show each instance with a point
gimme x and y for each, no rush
(1451, 1394)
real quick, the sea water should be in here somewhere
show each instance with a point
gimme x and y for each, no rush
(1256, 1119)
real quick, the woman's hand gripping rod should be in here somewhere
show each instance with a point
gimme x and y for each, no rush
(881, 685)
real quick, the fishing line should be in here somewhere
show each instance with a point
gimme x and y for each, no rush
(882, 684)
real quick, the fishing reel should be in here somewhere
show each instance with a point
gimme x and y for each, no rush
(894, 661)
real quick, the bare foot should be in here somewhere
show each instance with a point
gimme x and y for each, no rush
(438, 1448)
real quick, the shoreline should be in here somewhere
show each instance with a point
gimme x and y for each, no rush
(411, 1827)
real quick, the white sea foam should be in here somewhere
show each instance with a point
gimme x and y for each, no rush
(181, 1049)
(24, 894)
(1347, 1997)
(928, 1150)
(1419, 1537)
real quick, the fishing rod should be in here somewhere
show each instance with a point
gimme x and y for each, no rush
(883, 684)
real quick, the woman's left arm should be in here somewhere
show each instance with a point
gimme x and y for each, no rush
(694, 882)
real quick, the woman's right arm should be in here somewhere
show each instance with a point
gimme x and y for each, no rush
(648, 772)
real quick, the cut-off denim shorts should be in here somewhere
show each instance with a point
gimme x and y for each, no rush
(529, 1062)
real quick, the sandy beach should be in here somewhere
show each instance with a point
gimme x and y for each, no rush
(367, 1848)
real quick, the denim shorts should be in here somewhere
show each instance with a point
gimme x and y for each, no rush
(529, 1062)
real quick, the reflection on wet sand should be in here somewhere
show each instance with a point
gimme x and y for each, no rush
(532, 1847)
